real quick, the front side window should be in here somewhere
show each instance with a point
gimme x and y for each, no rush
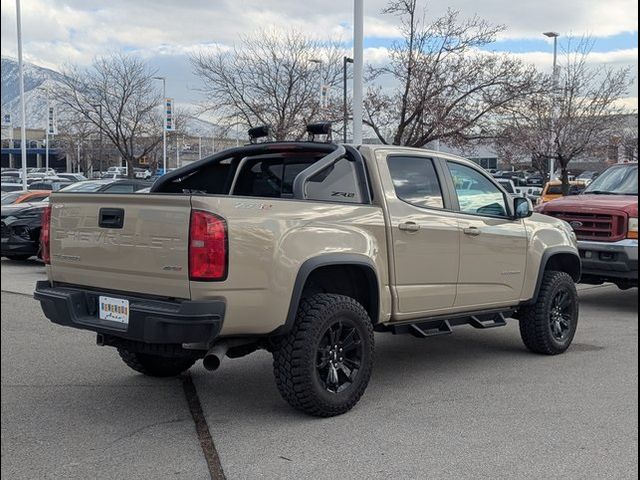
(477, 195)
(415, 181)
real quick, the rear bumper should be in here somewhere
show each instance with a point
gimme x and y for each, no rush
(609, 261)
(150, 321)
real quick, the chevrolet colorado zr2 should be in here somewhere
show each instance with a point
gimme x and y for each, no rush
(305, 249)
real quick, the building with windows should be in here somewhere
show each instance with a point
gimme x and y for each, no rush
(36, 150)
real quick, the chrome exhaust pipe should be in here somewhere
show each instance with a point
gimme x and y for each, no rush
(213, 358)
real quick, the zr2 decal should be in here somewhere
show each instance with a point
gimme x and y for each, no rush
(343, 194)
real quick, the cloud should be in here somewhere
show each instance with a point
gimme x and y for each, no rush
(57, 31)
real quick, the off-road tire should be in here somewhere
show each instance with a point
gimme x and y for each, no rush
(18, 258)
(535, 319)
(294, 361)
(156, 365)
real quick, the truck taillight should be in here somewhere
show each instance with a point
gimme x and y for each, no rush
(45, 235)
(207, 247)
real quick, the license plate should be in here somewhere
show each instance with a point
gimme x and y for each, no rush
(114, 309)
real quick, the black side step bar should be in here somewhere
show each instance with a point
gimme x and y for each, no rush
(496, 321)
(441, 326)
(426, 330)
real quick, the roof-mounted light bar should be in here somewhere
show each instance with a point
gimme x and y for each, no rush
(319, 128)
(258, 132)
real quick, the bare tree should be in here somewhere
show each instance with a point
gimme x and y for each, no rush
(117, 94)
(447, 88)
(576, 117)
(626, 137)
(272, 78)
(77, 137)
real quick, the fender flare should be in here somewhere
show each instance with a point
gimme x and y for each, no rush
(312, 264)
(544, 261)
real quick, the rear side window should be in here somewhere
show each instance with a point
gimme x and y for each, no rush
(268, 177)
(415, 181)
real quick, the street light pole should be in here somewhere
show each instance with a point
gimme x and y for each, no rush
(358, 69)
(237, 131)
(177, 150)
(46, 139)
(554, 74)
(78, 154)
(345, 115)
(100, 128)
(164, 122)
(318, 62)
(23, 135)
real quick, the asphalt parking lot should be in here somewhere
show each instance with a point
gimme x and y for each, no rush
(474, 404)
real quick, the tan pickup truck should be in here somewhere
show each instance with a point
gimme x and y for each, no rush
(305, 249)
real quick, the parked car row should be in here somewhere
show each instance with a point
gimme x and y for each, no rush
(21, 220)
(38, 180)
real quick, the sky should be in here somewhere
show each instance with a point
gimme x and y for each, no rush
(61, 32)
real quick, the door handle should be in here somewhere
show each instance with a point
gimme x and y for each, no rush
(111, 218)
(409, 227)
(473, 231)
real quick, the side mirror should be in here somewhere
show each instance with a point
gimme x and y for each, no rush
(522, 207)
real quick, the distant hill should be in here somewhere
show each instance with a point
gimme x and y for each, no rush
(36, 81)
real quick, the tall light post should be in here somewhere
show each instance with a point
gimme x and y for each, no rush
(554, 74)
(358, 69)
(237, 130)
(164, 122)
(178, 150)
(99, 107)
(46, 152)
(345, 114)
(23, 110)
(318, 62)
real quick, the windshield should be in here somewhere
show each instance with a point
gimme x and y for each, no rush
(83, 187)
(9, 198)
(621, 180)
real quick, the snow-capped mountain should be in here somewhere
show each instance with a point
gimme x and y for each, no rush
(36, 82)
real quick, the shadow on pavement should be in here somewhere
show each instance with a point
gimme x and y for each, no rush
(610, 299)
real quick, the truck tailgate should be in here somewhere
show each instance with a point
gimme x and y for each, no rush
(147, 253)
